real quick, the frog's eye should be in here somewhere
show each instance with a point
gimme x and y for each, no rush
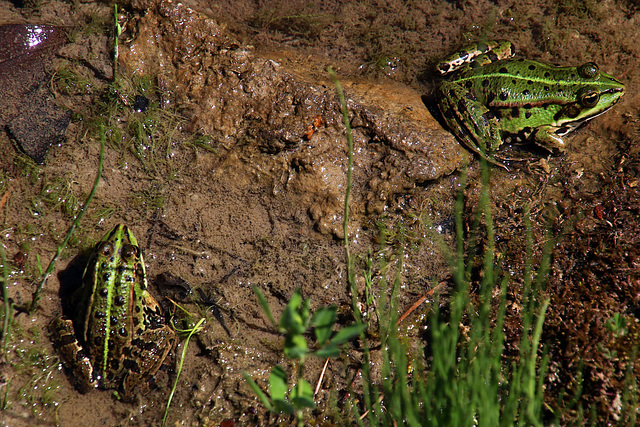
(105, 249)
(588, 70)
(588, 97)
(130, 252)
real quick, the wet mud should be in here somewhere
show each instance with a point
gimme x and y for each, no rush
(237, 173)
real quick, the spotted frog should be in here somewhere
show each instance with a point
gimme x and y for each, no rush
(118, 338)
(488, 95)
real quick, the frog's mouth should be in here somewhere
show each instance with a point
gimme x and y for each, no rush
(613, 95)
(569, 127)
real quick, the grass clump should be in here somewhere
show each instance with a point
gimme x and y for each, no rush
(29, 386)
(56, 194)
(69, 81)
(462, 376)
(136, 124)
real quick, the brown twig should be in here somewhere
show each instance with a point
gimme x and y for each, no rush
(422, 299)
(5, 197)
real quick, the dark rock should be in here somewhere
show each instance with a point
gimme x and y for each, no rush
(39, 125)
(33, 121)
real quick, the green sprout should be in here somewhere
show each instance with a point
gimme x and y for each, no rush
(295, 322)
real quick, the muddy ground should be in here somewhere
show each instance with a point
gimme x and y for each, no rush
(234, 176)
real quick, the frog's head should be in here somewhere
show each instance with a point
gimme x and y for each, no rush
(121, 233)
(597, 92)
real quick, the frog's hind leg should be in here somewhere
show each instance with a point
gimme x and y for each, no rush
(71, 354)
(144, 358)
(475, 126)
(476, 55)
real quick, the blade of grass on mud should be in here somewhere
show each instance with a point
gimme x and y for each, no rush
(6, 308)
(197, 328)
(370, 396)
(83, 209)
(117, 30)
(264, 304)
(258, 391)
(347, 193)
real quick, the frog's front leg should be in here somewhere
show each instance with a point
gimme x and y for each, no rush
(469, 120)
(549, 137)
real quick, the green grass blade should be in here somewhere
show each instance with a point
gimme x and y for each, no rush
(264, 304)
(7, 309)
(258, 391)
(184, 352)
(83, 209)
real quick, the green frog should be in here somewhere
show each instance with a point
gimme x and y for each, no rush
(488, 95)
(118, 338)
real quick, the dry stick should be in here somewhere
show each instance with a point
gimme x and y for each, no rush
(422, 299)
(52, 263)
(324, 369)
(365, 413)
(4, 199)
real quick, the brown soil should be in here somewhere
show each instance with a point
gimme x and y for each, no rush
(237, 179)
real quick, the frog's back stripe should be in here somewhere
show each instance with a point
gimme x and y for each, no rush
(500, 87)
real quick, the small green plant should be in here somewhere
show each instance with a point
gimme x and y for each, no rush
(69, 81)
(295, 323)
(629, 407)
(152, 134)
(28, 168)
(32, 385)
(149, 132)
(203, 142)
(617, 324)
(56, 194)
